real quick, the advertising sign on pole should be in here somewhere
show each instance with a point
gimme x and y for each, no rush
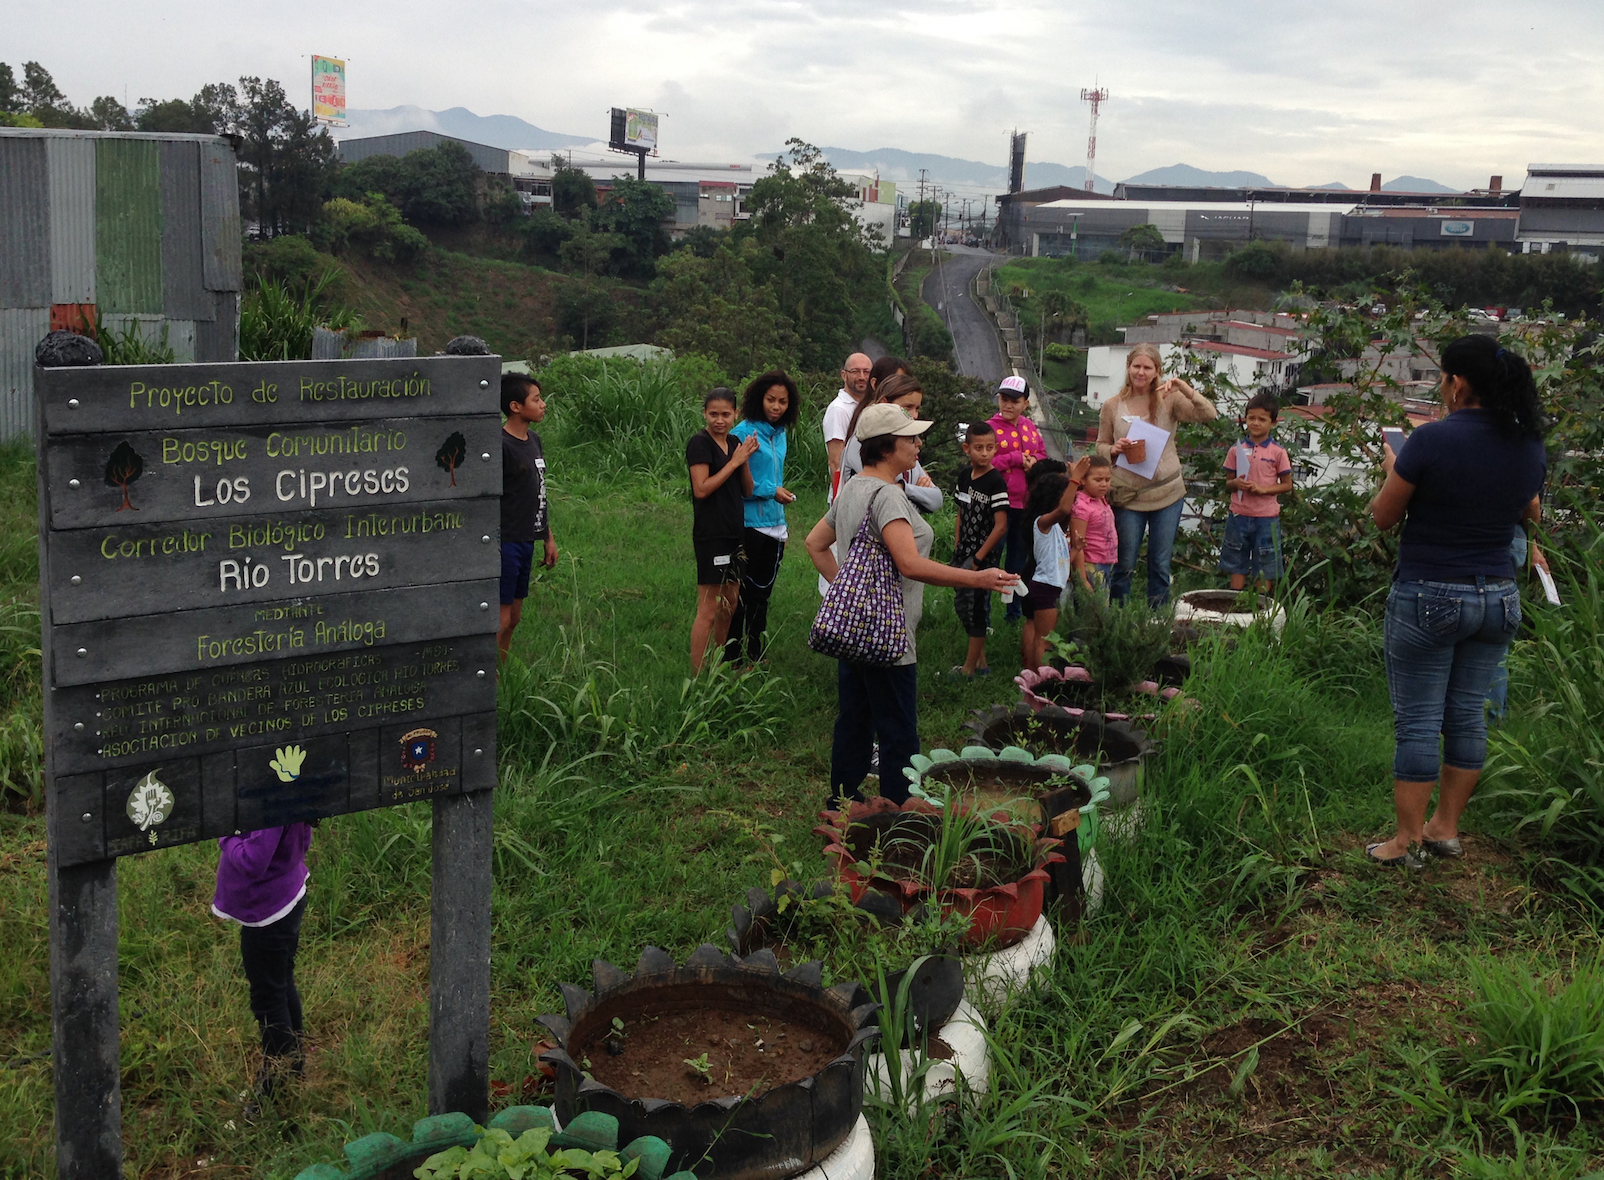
(640, 130)
(328, 90)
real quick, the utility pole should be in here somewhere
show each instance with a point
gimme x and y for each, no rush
(922, 172)
(1097, 98)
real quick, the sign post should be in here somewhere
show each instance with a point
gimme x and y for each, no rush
(268, 595)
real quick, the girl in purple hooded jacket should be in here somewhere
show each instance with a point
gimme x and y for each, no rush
(261, 884)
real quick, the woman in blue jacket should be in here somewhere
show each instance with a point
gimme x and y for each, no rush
(768, 408)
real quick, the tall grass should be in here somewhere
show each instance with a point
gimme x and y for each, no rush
(1546, 766)
(276, 320)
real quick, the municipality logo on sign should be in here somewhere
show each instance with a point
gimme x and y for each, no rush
(149, 803)
(417, 748)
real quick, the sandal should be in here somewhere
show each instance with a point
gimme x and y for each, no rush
(1449, 849)
(1405, 860)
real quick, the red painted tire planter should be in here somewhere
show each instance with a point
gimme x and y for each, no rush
(1000, 915)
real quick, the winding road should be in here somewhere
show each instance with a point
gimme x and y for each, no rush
(946, 288)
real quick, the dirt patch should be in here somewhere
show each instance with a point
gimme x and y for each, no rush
(698, 1055)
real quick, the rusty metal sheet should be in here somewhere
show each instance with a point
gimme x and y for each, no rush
(128, 226)
(184, 294)
(71, 166)
(24, 224)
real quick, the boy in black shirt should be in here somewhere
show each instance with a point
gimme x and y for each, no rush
(982, 525)
(523, 499)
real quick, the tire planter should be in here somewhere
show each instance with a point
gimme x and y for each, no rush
(935, 990)
(965, 1035)
(1073, 690)
(1217, 608)
(1000, 915)
(853, 1160)
(382, 1156)
(995, 978)
(1117, 748)
(1064, 807)
(776, 1133)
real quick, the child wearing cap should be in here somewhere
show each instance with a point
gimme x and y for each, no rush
(1019, 445)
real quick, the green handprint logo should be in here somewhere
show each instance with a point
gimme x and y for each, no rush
(288, 763)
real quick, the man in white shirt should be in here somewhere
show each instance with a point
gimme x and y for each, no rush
(838, 414)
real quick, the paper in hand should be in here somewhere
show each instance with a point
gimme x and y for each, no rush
(1550, 591)
(1156, 440)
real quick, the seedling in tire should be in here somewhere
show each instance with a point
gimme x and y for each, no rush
(701, 1067)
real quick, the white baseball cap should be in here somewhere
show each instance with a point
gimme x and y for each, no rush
(1013, 387)
(888, 419)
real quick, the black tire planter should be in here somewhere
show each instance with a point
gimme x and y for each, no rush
(935, 990)
(1116, 748)
(779, 1133)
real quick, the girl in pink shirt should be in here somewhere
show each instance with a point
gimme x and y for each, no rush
(1094, 544)
(1019, 445)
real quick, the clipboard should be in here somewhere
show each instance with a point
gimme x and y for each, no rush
(1156, 440)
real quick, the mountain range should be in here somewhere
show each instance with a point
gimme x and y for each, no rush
(903, 167)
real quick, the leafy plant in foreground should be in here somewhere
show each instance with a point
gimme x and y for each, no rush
(1539, 1045)
(498, 1156)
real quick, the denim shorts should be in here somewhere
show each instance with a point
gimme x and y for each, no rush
(1252, 546)
(1444, 641)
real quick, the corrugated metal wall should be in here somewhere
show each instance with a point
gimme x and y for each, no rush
(128, 225)
(126, 228)
(20, 329)
(71, 164)
(24, 253)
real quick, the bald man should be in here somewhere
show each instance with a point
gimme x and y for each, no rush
(838, 414)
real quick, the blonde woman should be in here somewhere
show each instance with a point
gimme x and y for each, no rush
(1152, 506)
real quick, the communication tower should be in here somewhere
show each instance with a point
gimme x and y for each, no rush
(1097, 98)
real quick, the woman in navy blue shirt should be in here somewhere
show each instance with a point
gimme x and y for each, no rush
(1460, 487)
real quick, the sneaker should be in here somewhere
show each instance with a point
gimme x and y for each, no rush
(961, 674)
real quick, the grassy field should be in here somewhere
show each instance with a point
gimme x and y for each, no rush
(1253, 1000)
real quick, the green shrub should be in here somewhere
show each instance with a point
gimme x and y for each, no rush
(276, 319)
(1539, 1045)
(134, 345)
(372, 225)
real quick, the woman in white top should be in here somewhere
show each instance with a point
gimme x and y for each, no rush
(905, 392)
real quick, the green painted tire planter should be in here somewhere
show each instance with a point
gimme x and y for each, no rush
(382, 1156)
(1065, 807)
(1118, 747)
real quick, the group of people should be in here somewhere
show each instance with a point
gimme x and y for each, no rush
(1465, 489)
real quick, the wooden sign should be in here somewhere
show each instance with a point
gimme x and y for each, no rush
(269, 594)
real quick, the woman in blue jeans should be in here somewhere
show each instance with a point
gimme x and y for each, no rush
(1460, 486)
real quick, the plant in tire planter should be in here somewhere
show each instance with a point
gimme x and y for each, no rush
(1108, 653)
(1075, 691)
(991, 870)
(866, 940)
(1115, 746)
(744, 1071)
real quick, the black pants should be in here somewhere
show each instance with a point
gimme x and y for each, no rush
(875, 704)
(268, 954)
(751, 618)
(1021, 548)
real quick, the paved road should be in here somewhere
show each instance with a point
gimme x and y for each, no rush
(946, 288)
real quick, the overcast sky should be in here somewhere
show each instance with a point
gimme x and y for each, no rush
(1303, 93)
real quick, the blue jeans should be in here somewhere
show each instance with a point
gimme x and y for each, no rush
(1160, 526)
(874, 702)
(1498, 694)
(1443, 644)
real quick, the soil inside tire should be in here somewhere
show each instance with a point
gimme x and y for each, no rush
(997, 858)
(746, 1053)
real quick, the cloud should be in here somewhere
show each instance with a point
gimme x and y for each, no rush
(1298, 92)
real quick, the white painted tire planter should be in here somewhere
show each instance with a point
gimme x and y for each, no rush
(1091, 876)
(965, 1035)
(853, 1160)
(1188, 612)
(992, 980)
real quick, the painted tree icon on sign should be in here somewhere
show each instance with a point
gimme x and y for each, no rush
(122, 469)
(451, 454)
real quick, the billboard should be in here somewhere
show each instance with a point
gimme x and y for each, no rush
(328, 90)
(1016, 162)
(633, 130)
